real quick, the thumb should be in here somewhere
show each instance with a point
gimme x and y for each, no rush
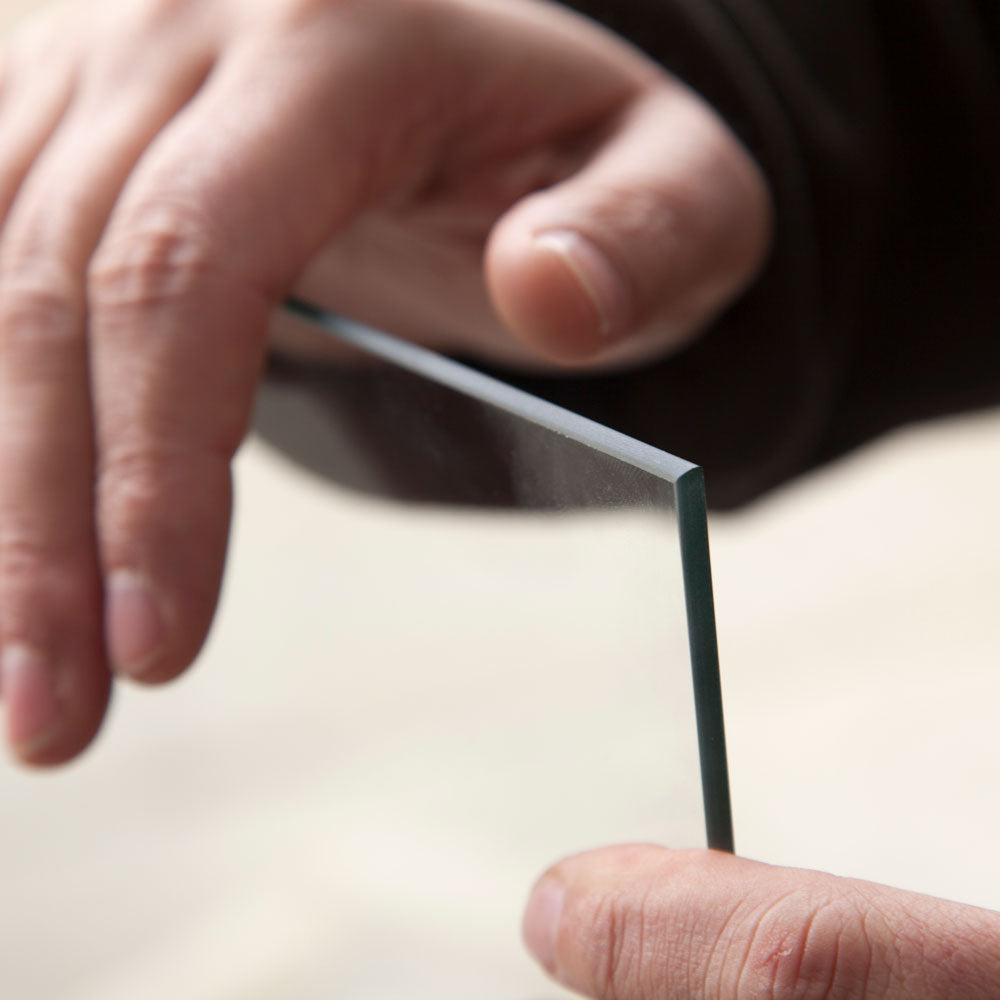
(638, 923)
(667, 221)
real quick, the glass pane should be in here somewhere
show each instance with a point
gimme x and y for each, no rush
(543, 730)
(406, 712)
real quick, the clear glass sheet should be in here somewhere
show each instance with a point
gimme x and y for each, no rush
(524, 726)
(406, 711)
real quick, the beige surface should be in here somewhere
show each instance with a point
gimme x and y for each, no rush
(215, 846)
(285, 823)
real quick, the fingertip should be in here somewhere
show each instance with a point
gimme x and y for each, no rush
(561, 888)
(634, 254)
(542, 915)
(565, 924)
(33, 700)
(53, 712)
(153, 633)
(135, 626)
(558, 292)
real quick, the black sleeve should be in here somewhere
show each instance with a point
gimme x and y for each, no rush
(877, 123)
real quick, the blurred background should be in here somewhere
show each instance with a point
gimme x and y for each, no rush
(226, 838)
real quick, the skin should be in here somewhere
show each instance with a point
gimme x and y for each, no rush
(644, 923)
(500, 177)
(494, 176)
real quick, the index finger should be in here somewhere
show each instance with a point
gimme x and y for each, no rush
(222, 213)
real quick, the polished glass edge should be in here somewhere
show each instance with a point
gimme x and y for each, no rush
(692, 515)
(688, 481)
(496, 393)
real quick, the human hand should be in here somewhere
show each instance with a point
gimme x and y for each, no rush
(644, 923)
(171, 169)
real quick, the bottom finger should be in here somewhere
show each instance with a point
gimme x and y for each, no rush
(638, 923)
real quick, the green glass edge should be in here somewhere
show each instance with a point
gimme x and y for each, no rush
(692, 516)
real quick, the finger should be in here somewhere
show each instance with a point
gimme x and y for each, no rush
(197, 254)
(31, 104)
(55, 680)
(635, 252)
(644, 923)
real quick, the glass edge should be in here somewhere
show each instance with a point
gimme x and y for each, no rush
(692, 516)
(462, 378)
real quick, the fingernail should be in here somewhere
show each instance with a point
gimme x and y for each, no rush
(135, 628)
(31, 694)
(541, 921)
(595, 275)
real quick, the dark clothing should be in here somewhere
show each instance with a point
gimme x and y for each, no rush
(877, 123)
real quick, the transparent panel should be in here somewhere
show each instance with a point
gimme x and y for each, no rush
(546, 728)
(486, 644)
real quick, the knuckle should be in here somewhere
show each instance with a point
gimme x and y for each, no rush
(32, 575)
(45, 578)
(130, 488)
(38, 300)
(133, 479)
(819, 949)
(159, 254)
(22, 555)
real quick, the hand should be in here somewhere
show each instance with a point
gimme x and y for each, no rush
(644, 923)
(501, 177)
